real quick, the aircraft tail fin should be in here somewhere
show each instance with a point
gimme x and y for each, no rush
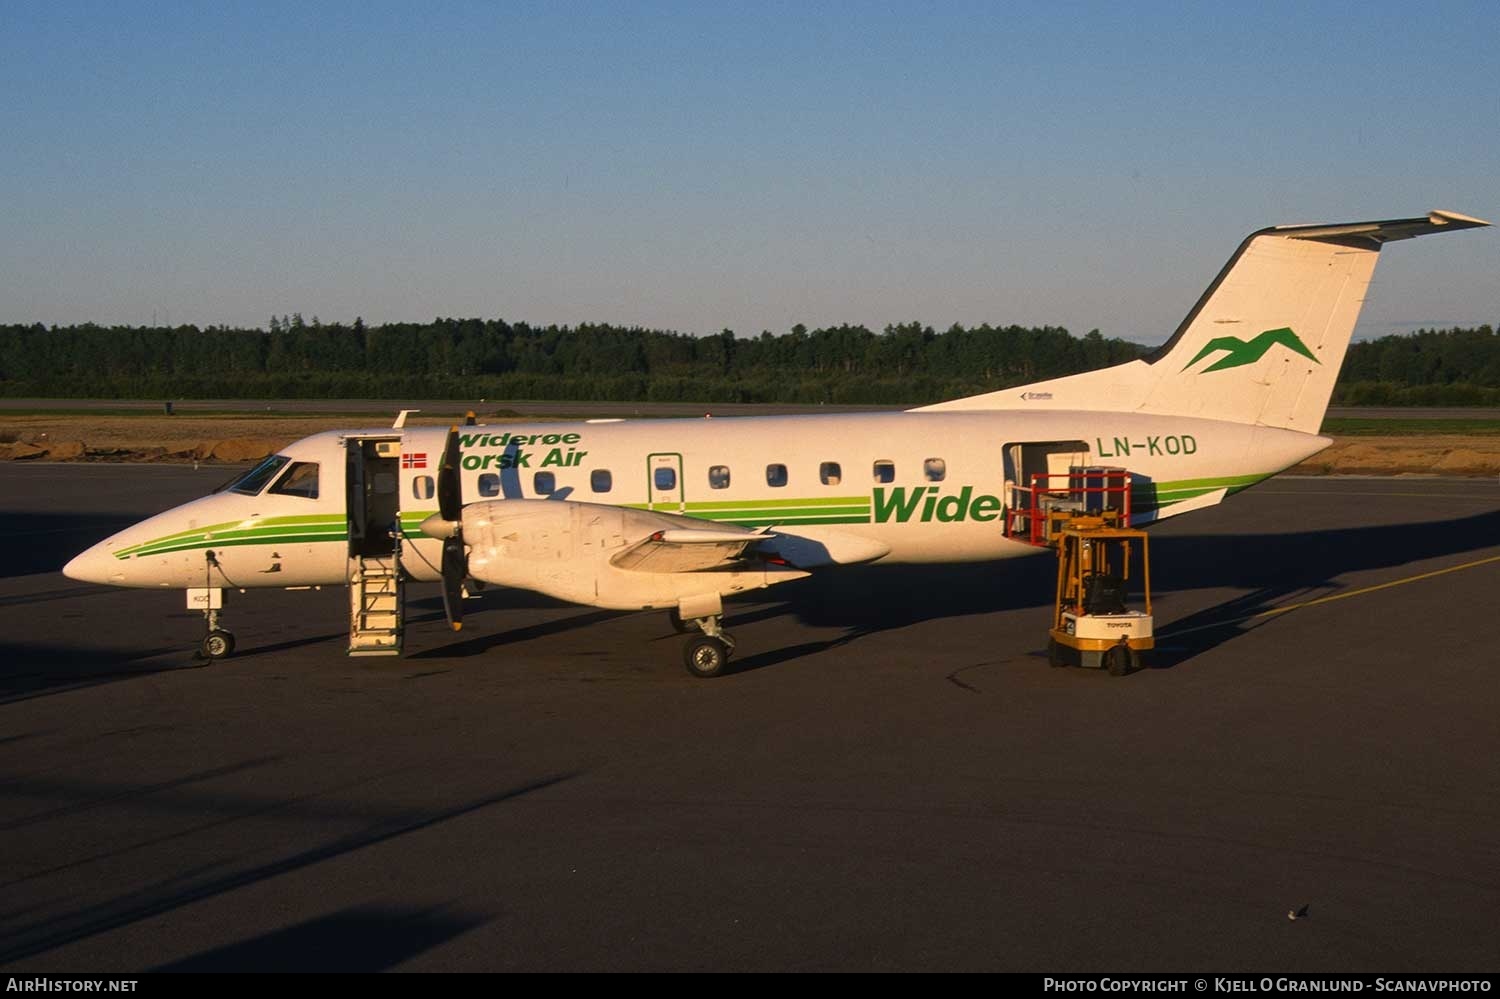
(1262, 346)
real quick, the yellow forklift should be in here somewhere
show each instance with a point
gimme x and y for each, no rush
(1102, 570)
(1103, 565)
(1101, 617)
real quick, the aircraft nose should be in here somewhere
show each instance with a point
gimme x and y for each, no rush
(93, 566)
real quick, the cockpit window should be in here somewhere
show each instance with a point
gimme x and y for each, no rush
(253, 481)
(300, 480)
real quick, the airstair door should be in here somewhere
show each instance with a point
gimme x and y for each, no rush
(375, 576)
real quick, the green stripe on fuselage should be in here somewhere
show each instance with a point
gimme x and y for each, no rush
(229, 541)
(235, 531)
(774, 504)
(1147, 496)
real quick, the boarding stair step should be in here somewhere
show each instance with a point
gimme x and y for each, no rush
(375, 605)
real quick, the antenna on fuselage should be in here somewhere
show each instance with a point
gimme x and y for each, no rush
(401, 418)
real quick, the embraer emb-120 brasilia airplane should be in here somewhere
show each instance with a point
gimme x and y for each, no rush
(676, 515)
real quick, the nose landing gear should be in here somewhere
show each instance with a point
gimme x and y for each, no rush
(218, 642)
(707, 655)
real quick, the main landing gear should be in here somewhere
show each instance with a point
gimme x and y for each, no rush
(706, 655)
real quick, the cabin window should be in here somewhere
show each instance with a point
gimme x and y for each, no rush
(600, 481)
(718, 477)
(300, 480)
(422, 487)
(936, 469)
(830, 474)
(489, 484)
(776, 475)
(545, 483)
(885, 471)
(253, 481)
(664, 476)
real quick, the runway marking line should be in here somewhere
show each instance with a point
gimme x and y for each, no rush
(1169, 633)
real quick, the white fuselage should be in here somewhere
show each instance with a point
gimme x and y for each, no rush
(897, 487)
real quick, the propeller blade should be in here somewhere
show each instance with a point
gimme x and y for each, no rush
(448, 525)
(449, 489)
(455, 567)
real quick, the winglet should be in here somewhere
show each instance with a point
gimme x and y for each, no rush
(1439, 217)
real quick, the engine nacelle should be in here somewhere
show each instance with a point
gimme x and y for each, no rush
(563, 549)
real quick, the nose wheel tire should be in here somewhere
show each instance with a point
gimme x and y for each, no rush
(705, 656)
(217, 644)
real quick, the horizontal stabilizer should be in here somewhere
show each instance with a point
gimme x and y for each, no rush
(1384, 232)
(1202, 502)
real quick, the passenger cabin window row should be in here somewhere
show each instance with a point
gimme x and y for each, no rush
(831, 473)
(302, 478)
(423, 487)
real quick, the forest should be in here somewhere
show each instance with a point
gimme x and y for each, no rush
(475, 358)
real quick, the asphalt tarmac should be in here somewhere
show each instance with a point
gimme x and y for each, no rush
(894, 779)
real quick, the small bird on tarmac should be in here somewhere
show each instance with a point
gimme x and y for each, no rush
(1296, 914)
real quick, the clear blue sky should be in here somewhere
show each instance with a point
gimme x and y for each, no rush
(694, 168)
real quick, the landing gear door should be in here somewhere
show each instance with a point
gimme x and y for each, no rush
(664, 483)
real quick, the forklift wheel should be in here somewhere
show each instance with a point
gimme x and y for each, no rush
(1055, 653)
(1117, 660)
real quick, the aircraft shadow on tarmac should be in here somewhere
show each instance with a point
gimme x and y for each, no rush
(866, 600)
(35, 669)
(1278, 569)
(1275, 568)
(362, 939)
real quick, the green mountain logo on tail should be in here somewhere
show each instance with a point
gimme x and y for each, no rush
(1239, 352)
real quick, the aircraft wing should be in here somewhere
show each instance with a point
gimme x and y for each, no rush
(611, 556)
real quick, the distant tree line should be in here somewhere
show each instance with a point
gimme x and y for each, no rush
(1452, 367)
(493, 359)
